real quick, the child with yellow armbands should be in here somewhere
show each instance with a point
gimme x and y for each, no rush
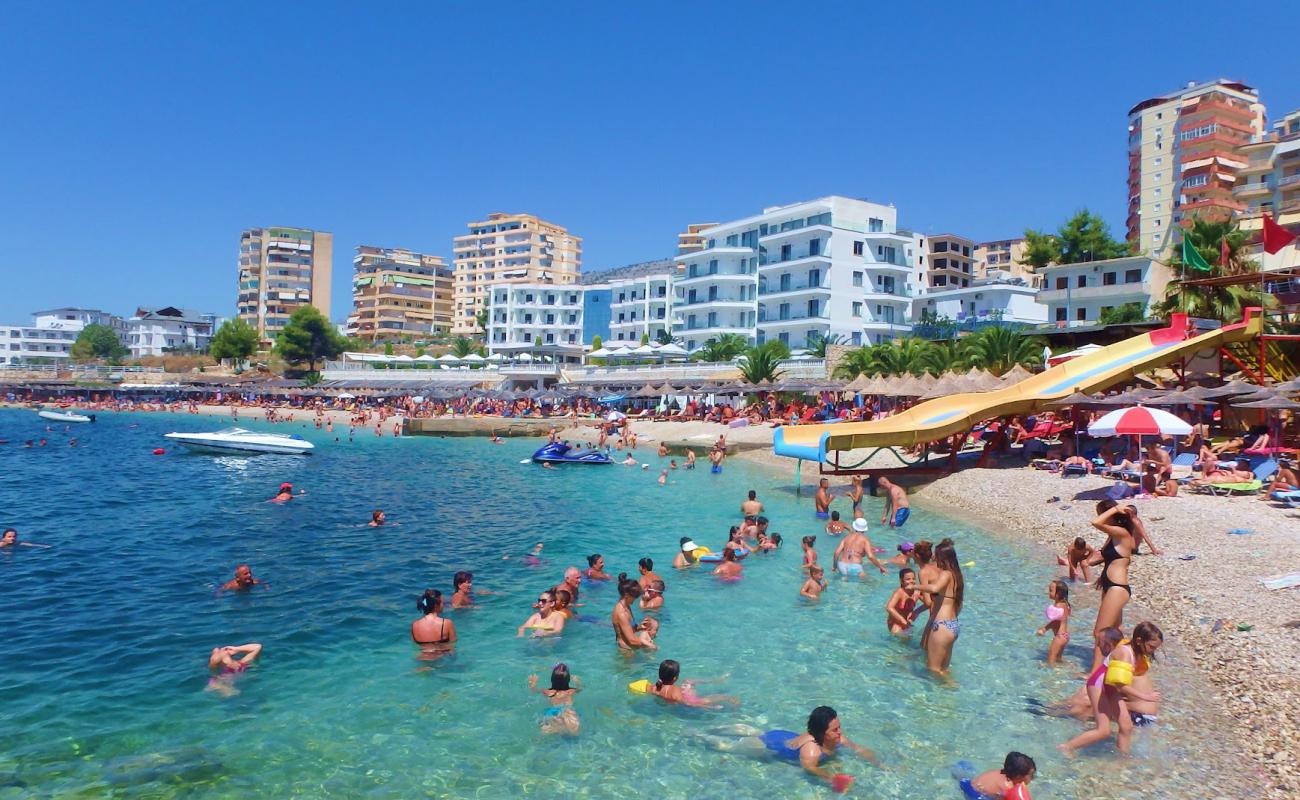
(1131, 657)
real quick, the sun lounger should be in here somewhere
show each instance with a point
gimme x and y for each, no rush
(1263, 472)
(1291, 498)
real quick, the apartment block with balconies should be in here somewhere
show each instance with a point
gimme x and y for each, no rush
(952, 262)
(641, 306)
(1003, 255)
(835, 266)
(1077, 293)
(1270, 184)
(692, 239)
(1185, 152)
(508, 248)
(281, 270)
(399, 294)
(537, 318)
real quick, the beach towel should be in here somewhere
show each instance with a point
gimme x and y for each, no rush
(1120, 491)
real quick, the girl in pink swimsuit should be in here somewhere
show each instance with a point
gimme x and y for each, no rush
(1058, 620)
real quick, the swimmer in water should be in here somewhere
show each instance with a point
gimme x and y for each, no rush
(544, 622)
(663, 478)
(666, 689)
(823, 737)
(243, 580)
(547, 465)
(663, 450)
(227, 662)
(897, 507)
(596, 568)
(652, 596)
(10, 539)
(809, 554)
(463, 590)
(560, 717)
(904, 604)
(672, 464)
(1058, 620)
(376, 518)
(816, 582)
(630, 461)
(686, 554)
(647, 568)
(1009, 783)
(286, 493)
(822, 500)
(730, 568)
(647, 630)
(690, 459)
(751, 507)
(432, 632)
(836, 526)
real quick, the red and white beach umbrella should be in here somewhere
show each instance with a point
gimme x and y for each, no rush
(1139, 421)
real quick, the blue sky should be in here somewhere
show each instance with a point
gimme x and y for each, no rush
(139, 139)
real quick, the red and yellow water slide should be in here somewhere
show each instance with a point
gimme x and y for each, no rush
(945, 416)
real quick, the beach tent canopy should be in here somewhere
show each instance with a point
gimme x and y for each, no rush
(1075, 399)
(1016, 374)
(672, 349)
(524, 357)
(1230, 388)
(1139, 421)
(474, 358)
(600, 352)
(643, 350)
(1179, 399)
(425, 359)
(497, 357)
(667, 388)
(1277, 402)
(448, 358)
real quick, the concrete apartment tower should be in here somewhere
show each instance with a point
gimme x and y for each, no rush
(1183, 158)
(508, 248)
(692, 240)
(399, 294)
(281, 270)
(1270, 184)
(952, 262)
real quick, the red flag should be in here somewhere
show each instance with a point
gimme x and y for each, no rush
(1225, 253)
(1275, 236)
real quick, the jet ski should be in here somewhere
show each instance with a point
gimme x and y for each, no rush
(561, 453)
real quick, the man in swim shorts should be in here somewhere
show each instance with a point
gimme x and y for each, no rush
(751, 508)
(823, 499)
(852, 549)
(897, 508)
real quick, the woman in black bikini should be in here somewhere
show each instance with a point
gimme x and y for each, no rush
(1114, 521)
(431, 632)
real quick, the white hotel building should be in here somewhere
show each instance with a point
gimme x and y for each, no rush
(640, 306)
(535, 318)
(833, 266)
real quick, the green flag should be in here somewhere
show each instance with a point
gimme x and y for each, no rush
(1193, 259)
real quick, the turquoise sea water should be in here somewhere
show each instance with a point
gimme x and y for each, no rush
(108, 631)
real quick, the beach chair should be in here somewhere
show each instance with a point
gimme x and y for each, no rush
(1183, 467)
(1291, 498)
(1263, 472)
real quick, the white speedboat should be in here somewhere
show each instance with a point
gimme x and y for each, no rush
(238, 440)
(65, 416)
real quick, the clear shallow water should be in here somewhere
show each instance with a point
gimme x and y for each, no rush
(107, 633)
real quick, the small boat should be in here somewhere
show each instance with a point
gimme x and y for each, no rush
(239, 440)
(559, 453)
(65, 416)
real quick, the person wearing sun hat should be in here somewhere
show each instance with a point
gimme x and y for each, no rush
(686, 556)
(852, 549)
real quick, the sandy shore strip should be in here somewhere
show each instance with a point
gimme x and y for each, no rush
(1243, 638)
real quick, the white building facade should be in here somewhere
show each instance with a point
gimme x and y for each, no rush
(999, 297)
(161, 331)
(1078, 293)
(535, 318)
(640, 306)
(48, 340)
(829, 267)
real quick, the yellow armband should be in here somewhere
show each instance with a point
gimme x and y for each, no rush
(1119, 673)
(642, 686)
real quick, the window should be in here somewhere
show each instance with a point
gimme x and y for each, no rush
(875, 225)
(1158, 222)
(1081, 281)
(1133, 276)
(1195, 180)
(814, 247)
(785, 252)
(1062, 282)
(857, 309)
(1060, 314)
(857, 248)
(733, 240)
(1109, 278)
(1081, 314)
(857, 277)
(940, 263)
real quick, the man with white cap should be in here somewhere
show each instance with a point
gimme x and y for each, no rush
(852, 549)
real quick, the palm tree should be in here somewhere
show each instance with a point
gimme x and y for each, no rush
(903, 356)
(724, 348)
(1224, 303)
(999, 349)
(462, 346)
(861, 361)
(943, 357)
(761, 363)
(817, 344)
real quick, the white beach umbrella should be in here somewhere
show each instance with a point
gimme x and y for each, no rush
(643, 350)
(1139, 421)
(599, 352)
(425, 359)
(619, 351)
(405, 359)
(474, 358)
(497, 357)
(615, 416)
(525, 357)
(672, 350)
(346, 396)
(448, 358)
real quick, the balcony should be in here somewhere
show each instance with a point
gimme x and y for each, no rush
(898, 261)
(712, 251)
(716, 275)
(824, 230)
(792, 288)
(1290, 180)
(1129, 291)
(725, 302)
(882, 294)
(776, 320)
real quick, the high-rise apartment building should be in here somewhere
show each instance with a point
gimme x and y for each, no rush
(281, 270)
(833, 266)
(1184, 155)
(540, 318)
(1004, 255)
(508, 248)
(693, 239)
(1270, 183)
(952, 261)
(399, 294)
